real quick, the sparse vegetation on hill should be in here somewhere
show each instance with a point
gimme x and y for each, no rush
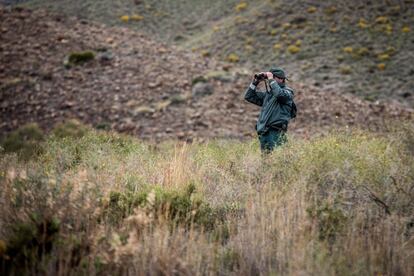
(106, 204)
(250, 29)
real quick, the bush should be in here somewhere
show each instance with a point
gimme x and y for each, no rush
(79, 58)
(125, 18)
(136, 17)
(293, 49)
(233, 58)
(70, 128)
(381, 66)
(348, 50)
(241, 6)
(345, 69)
(330, 220)
(178, 206)
(30, 242)
(26, 141)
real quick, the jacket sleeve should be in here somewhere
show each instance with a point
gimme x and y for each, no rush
(283, 96)
(253, 96)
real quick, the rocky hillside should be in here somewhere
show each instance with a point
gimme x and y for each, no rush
(54, 68)
(357, 47)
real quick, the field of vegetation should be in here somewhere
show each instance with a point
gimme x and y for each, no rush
(83, 202)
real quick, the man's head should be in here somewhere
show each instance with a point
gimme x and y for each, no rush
(278, 74)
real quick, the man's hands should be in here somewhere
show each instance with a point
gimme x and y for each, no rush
(256, 80)
(269, 75)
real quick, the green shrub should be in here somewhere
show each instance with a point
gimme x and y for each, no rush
(70, 128)
(178, 99)
(26, 141)
(198, 79)
(178, 206)
(30, 242)
(330, 220)
(229, 260)
(79, 58)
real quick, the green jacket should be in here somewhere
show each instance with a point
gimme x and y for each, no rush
(276, 105)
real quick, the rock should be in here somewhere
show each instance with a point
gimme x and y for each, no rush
(153, 84)
(142, 110)
(202, 89)
(105, 57)
(68, 104)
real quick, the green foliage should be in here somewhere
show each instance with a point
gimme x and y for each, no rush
(330, 220)
(30, 242)
(178, 99)
(178, 206)
(198, 79)
(79, 58)
(232, 57)
(26, 141)
(70, 128)
(230, 260)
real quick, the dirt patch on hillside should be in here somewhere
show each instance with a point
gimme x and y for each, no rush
(138, 86)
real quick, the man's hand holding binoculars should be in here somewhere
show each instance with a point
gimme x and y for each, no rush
(262, 76)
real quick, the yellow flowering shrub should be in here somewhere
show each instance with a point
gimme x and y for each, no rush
(137, 17)
(388, 29)
(125, 18)
(241, 6)
(205, 53)
(363, 51)
(381, 66)
(363, 24)
(345, 69)
(348, 50)
(383, 57)
(293, 49)
(331, 10)
(381, 20)
(233, 58)
(277, 46)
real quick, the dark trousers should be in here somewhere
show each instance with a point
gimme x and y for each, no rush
(272, 138)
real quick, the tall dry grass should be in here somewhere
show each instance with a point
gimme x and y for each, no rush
(105, 204)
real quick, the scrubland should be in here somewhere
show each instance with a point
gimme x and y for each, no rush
(84, 202)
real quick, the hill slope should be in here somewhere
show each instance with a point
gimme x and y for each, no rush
(363, 48)
(142, 87)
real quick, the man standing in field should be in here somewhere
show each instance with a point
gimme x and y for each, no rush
(277, 108)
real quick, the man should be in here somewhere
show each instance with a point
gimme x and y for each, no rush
(277, 108)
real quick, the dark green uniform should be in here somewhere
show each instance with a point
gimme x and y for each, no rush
(275, 113)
